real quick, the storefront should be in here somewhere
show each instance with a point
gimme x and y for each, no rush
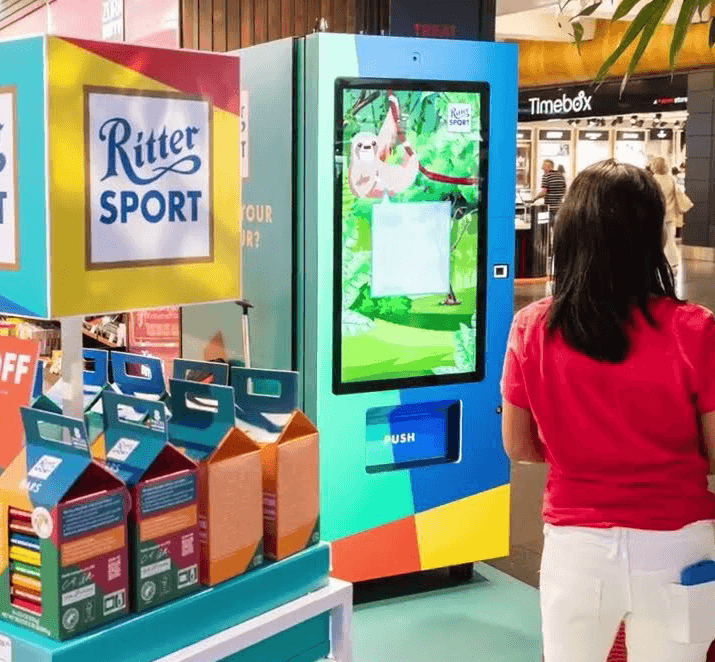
(578, 125)
(575, 126)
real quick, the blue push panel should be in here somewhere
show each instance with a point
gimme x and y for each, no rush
(412, 435)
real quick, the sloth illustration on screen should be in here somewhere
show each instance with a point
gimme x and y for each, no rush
(369, 174)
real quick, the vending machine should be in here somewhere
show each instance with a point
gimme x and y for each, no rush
(391, 282)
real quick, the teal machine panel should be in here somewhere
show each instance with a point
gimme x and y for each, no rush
(267, 236)
(23, 232)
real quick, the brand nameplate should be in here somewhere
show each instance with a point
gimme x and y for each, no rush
(149, 177)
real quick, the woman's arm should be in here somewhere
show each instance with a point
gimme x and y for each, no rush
(521, 438)
(708, 422)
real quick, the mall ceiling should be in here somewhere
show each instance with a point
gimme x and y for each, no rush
(541, 20)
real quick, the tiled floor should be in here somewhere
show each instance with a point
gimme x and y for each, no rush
(496, 620)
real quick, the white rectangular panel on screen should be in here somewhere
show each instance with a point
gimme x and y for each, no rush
(411, 248)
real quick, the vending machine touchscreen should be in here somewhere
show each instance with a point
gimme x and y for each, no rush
(410, 233)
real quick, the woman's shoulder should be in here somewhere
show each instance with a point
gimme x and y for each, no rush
(684, 314)
(534, 315)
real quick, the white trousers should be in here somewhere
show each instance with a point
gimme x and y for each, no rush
(592, 579)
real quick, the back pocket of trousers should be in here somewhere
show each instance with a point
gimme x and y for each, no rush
(691, 613)
(570, 609)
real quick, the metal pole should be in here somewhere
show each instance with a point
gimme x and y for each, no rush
(246, 332)
(72, 372)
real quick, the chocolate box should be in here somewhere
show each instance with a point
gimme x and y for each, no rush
(63, 533)
(163, 483)
(290, 455)
(230, 478)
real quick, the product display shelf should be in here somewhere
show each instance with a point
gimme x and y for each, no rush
(199, 619)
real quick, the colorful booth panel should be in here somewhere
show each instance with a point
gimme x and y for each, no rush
(401, 371)
(126, 175)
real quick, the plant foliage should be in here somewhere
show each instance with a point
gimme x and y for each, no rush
(641, 29)
(465, 350)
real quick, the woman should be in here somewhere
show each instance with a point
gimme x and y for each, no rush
(676, 204)
(612, 383)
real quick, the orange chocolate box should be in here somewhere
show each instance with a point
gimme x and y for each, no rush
(266, 413)
(230, 479)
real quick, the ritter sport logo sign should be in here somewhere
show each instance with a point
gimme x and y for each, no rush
(9, 255)
(148, 178)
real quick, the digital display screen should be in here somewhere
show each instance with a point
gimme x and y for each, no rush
(410, 233)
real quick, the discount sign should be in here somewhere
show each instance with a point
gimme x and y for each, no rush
(8, 180)
(18, 361)
(148, 177)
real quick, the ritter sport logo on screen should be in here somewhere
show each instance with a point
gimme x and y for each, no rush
(149, 179)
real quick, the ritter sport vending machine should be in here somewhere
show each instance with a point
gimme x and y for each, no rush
(379, 198)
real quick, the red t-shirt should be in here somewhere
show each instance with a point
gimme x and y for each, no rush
(622, 440)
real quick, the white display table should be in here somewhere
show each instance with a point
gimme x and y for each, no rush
(335, 598)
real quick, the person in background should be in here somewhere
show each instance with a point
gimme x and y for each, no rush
(676, 205)
(610, 382)
(560, 169)
(553, 188)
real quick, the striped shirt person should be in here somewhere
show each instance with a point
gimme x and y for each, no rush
(553, 187)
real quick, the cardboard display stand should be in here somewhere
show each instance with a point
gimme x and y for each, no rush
(135, 150)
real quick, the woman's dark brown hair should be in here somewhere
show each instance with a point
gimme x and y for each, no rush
(608, 258)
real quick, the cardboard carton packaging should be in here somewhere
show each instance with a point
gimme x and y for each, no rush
(148, 385)
(95, 378)
(290, 454)
(63, 533)
(163, 521)
(230, 479)
(210, 372)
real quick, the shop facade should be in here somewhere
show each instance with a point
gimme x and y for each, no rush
(576, 125)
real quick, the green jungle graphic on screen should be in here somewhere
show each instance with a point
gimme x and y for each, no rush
(410, 228)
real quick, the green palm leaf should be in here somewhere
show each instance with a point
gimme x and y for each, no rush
(623, 9)
(646, 35)
(634, 29)
(685, 18)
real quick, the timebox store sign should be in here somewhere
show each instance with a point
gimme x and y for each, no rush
(149, 165)
(644, 95)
